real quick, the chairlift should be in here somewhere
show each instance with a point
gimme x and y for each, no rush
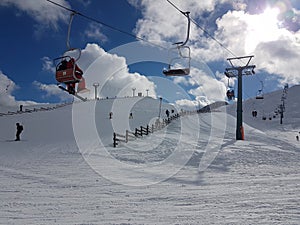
(230, 92)
(67, 71)
(260, 94)
(184, 55)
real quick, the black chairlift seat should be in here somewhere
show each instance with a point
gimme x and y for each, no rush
(177, 72)
(259, 95)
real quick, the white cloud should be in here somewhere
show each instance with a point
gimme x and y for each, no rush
(94, 32)
(181, 80)
(85, 3)
(48, 65)
(43, 12)
(280, 57)
(210, 88)
(52, 90)
(109, 70)
(206, 88)
(163, 23)
(198, 103)
(7, 87)
(186, 104)
(276, 47)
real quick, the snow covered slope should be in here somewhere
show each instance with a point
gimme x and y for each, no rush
(52, 177)
(267, 107)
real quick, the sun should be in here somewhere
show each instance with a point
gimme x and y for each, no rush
(262, 27)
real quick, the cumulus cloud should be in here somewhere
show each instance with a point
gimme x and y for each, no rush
(94, 32)
(205, 89)
(276, 49)
(47, 65)
(156, 24)
(43, 12)
(7, 87)
(271, 34)
(280, 57)
(112, 73)
(109, 70)
(163, 23)
(207, 86)
(52, 90)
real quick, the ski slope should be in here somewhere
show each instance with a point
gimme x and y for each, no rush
(191, 172)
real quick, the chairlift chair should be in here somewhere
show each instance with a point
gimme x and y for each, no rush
(230, 94)
(175, 71)
(260, 94)
(67, 70)
(182, 56)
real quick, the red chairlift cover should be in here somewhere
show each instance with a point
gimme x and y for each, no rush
(68, 72)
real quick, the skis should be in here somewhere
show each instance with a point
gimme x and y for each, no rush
(75, 94)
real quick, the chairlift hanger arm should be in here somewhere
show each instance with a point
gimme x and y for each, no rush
(187, 14)
(262, 85)
(73, 13)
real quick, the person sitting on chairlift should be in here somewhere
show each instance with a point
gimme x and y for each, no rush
(63, 65)
(77, 72)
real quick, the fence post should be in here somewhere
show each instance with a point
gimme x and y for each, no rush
(115, 140)
(141, 130)
(126, 136)
(147, 130)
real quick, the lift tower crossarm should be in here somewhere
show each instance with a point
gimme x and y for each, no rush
(249, 57)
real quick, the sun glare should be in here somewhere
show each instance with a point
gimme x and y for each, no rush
(270, 17)
(262, 28)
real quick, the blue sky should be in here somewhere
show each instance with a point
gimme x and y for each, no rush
(34, 33)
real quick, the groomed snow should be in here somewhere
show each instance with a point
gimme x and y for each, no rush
(47, 179)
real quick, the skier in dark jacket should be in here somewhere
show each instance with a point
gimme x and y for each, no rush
(167, 113)
(19, 131)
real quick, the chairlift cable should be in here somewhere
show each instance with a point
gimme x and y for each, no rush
(205, 32)
(105, 24)
(137, 37)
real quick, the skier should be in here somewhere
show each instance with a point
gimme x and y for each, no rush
(297, 138)
(19, 131)
(130, 116)
(110, 115)
(167, 113)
